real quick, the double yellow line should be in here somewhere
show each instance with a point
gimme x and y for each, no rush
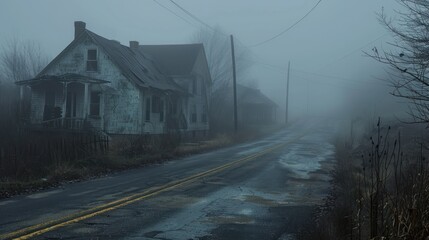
(38, 229)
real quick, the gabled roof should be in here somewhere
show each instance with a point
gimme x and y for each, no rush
(247, 95)
(174, 59)
(134, 65)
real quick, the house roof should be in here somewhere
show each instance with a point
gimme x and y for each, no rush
(175, 59)
(134, 65)
(248, 95)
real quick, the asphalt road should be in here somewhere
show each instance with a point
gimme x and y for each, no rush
(266, 189)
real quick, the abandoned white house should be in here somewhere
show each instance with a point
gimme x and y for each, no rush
(99, 84)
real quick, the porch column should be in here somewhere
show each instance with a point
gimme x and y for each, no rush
(63, 112)
(85, 101)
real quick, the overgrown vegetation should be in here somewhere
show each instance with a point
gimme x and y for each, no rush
(379, 190)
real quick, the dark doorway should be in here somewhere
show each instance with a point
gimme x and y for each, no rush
(48, 112)
(71, 105)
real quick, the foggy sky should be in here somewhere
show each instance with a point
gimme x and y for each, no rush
(329, 42)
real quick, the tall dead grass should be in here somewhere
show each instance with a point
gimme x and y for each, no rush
(379, 191)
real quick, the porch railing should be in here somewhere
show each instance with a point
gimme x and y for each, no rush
(65, 123)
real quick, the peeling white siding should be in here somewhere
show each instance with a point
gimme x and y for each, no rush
(120, 108)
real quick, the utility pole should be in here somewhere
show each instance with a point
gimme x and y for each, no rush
(287, 94)
(235, 85)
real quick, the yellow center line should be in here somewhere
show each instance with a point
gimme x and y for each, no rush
(38, 229)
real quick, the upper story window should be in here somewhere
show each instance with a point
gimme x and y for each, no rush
(91, 61)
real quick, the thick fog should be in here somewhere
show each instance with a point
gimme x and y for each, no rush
(330, 73)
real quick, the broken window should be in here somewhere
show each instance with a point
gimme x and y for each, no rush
(91, 62)
(94, 105)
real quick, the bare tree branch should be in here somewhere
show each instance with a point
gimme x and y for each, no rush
(410, 61)
(20, 60)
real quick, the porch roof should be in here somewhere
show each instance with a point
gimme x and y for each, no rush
(65, 78)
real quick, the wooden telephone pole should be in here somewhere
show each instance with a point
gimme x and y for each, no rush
(287, 94)
(235, 85)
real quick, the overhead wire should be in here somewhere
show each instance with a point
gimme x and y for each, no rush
(192, 16)
(289, 28)
(171, 11)
(354, 51)
(273, 67)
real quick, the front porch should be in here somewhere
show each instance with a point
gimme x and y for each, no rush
(66, 123)
(68, 101)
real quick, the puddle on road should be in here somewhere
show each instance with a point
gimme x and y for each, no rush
(305, 159)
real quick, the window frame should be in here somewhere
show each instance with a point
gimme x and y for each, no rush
(89, 67)
(194, 114)
(194, 86)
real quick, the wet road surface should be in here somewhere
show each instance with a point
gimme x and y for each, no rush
(265, 189)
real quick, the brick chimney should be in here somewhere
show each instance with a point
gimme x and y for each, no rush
(134, 45)
(79, 28)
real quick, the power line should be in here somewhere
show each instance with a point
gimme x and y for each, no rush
(354, 51)
(289, 28)
(192, 15)
(171, 11)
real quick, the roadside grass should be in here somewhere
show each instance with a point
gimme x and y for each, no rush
(380, 189)
(125, 153)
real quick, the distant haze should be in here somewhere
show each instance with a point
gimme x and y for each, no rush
(329, 70)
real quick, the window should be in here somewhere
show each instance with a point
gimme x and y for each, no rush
(147, 109)
(194, 114)
(91, 62)
(204, 115)
(194, 86)
(94, 105)
(202, 87)
(161, 111)
(156, 104)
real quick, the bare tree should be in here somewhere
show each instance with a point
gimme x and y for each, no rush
(409, 61)
(21, 60)
(218, 52)
(217, 47)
